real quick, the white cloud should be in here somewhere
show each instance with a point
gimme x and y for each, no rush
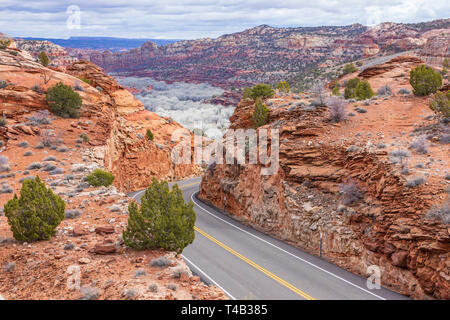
(202, 18)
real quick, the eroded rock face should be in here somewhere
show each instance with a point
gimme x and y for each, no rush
(118, 141)
(249, 57)
(387, 227)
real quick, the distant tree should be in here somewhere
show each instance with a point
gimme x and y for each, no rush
(162, 221)
(335, 91)
(247, 93)
(262, 91)
(99, 178)
(5, 44)
(364, 91)
(261, 114)
(440, 104)
(63, 101)
(43, 58)
(424, 80)
(350, 88)
(283, 87)
(446, 63)
(149, 135)
(318, 90)
(349, 68)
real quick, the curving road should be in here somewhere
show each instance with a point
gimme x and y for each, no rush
(248, 264)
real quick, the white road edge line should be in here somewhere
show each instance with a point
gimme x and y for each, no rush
(194, 265)
(210, 279)
(293, 255)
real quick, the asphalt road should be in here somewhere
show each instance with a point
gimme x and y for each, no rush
(248, 264)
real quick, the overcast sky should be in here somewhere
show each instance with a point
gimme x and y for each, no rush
(191, 19)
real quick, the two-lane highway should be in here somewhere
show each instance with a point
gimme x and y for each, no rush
(248, 264)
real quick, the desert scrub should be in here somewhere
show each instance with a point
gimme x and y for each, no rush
(163, 220)
(149, 135)
(260, 114)
(63, 101)
(100, 178)
(36, 214)
(424, 80)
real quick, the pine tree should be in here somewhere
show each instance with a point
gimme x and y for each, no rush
(149, 135)
(350, 88)
(163, 220)
(335, 91)
(424, 80)
(364, 91)
(43, 58)
(36, 214)
(63, 101)
(283, 87)
(261, 114)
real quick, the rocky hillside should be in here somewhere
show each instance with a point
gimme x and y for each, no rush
(363, 183)
(57, 54)
(265, 54)
(110, 135)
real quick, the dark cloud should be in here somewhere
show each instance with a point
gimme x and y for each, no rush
(202, 18)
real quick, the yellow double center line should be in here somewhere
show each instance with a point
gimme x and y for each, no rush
(256, 266)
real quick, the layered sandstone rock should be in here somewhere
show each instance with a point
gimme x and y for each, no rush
(387, 227)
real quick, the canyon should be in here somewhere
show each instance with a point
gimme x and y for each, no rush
(388, 224)
(265, 54)
(88, 243)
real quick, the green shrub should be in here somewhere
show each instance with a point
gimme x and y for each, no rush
(261, 91)
(246, 93)
(440, 104)
(84, 137)
(283, 87)
(4, 44)
(364, 91)
(350, 88)
(335, 91)
(349, 68)
(149, 135)
(100, 178)
(43, 59)
(63, 101)
(163, 220)
(36, 214)
(261, 114)
(85, 80)
(424, 80)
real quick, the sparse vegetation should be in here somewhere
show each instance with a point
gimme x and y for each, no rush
(364, 91)
(262, 91)
(424, 80)
(100, 178)
(441, 213)
(420, 144)
(414, 182)
(338, 109)
(149, 135)
(350, 88)
(4, 44)
(260, 114)
(350, 192)
(283, 87)
(84, 137)
(440, 104)
(335, 91)
(43, 58)
(3, 84)
(36, 213)
(349, 68)
(63, 101)
(163, 220)
(384, 91)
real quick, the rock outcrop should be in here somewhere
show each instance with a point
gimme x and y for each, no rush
(119, 121)
(264, 54)
(387, 224)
